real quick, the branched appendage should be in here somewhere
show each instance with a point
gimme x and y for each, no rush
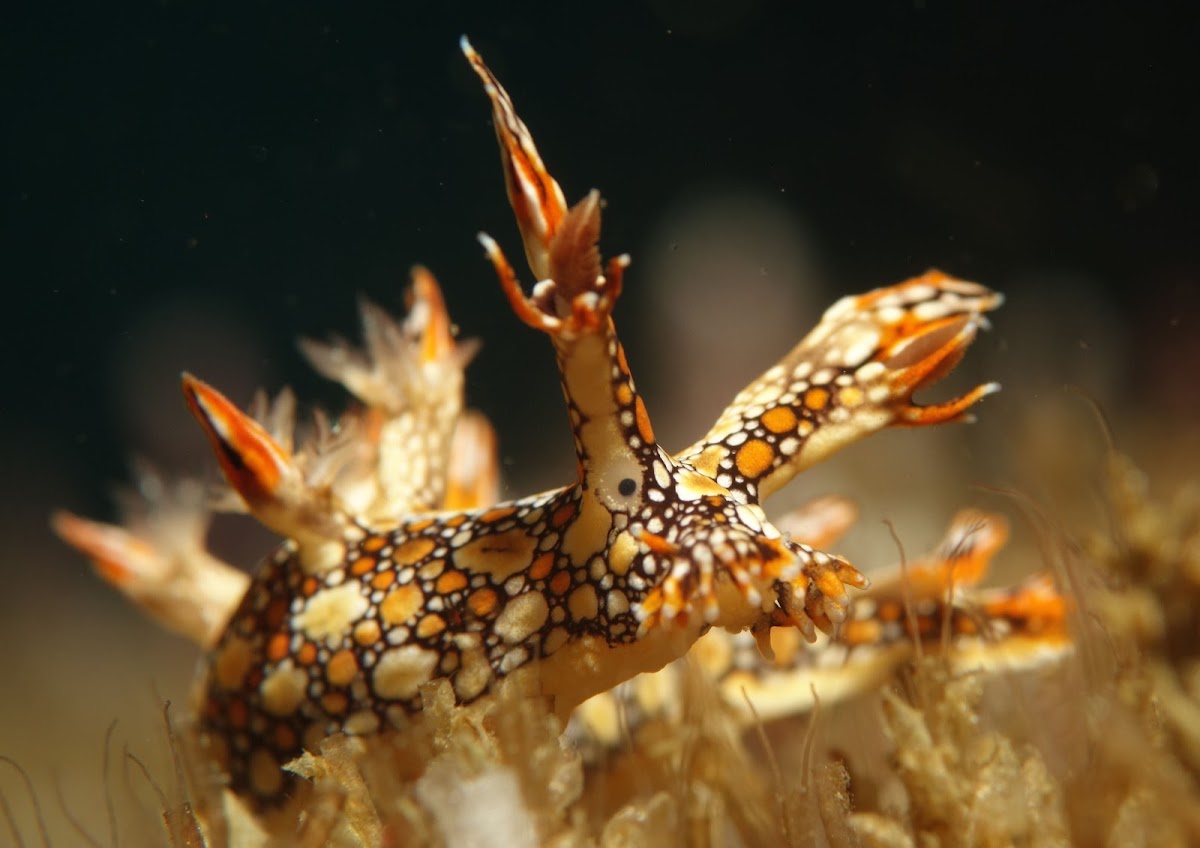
(853, 375)
(158, 559)
(409, 376)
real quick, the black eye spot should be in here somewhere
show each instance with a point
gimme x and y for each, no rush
(627, 486)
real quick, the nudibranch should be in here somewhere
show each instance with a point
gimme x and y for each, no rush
(380, 589)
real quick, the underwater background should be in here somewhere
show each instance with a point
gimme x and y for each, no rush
(192, 186)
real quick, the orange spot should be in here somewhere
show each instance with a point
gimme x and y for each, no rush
(653, 602)
(482, 602)
(563, 514)
(402, 604)
(361, 566)
(367, 632)
(335, 703)
(889, 611)
(454, 520)
(341, 668)
(860, 632)
(754, 457)
(541, 566)
(309, 586)
(277, 648)
(430, 625)
(657, 543)
(307, 655)
(622, 362)
(781, 419)
(275, 613)
(624, 395)
(418, 526)
(237, 713)
(560, 582)
(851, 396)
(451, 581)
(498, 514)
(383, 579)
(374, 543)
(816, 398)
(285, 738)
(412, 551)
(643, 421)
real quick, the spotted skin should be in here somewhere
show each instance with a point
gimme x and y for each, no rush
(853, 375)
(575, 590)
(932, 602)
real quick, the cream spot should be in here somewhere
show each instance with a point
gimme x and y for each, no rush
(232, 663)
(691, 486)
(621, 553)
(473, 677)
(329, 613)
(583, 602)
(499, 554)
(362, 723)
(588, 534)
(401, 670)
(265, 774)
(284, 689)
(523, 616)
(617, 603)
(555, 640)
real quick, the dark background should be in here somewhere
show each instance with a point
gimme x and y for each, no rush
(256, 166)
(192, 185)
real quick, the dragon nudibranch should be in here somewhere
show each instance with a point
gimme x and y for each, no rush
(576, 589)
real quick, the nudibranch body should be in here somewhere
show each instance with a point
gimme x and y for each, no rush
(382, 588)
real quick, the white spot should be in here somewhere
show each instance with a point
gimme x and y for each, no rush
(869, 372)
(890, 315)
(789, 445)
(931, 310)
(859, 350)
(802, 370)
(919, 292)
(822, 377)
